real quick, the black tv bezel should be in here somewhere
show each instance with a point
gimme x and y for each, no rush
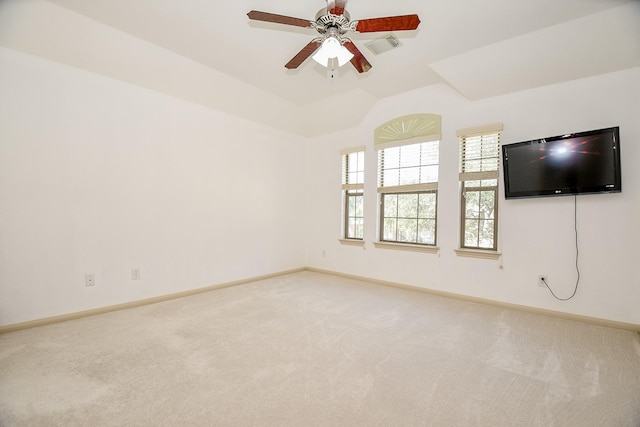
(617, 187)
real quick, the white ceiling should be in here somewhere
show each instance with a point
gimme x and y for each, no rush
(209, 52)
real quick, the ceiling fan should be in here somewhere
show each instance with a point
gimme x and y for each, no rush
(332, 23)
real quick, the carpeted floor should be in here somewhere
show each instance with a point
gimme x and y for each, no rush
(309, 349)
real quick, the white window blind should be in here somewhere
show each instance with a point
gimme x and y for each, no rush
(408, 166)
(480, 153)
(479, 171)
(353, 169)
(411, 167)
(408, 130)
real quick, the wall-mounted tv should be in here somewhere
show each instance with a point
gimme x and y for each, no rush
(577, 163)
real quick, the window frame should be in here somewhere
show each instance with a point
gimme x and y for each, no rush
(485, 172)
(383, 217)
(348, 194)
(464, 218)
(405, 131)
(427, 187)
(352, 189)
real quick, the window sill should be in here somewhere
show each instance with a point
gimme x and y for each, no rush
(351, 242)
(478, 253)
(407, 247)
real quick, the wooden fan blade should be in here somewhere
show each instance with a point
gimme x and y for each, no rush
(336, 7)
(306, 52)
(279, 19)
(359, 61)
(389, 23)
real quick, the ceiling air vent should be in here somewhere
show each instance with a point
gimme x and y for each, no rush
(383, 45)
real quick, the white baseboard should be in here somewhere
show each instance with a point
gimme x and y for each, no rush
(552, 313)
(139, 303)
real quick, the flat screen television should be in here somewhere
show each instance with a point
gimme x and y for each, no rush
(577, 163)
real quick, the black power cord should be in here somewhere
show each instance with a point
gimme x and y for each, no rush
(575, 222)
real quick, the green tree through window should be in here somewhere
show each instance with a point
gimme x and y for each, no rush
(479, 169)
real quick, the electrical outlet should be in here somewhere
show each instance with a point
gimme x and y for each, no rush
(135, 274)
(542, 280)
(89, 279)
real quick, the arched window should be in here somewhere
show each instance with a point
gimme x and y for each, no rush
(408, 161)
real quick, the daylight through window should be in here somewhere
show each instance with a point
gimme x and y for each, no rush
(479, 173)
(353, 192)
(408, 187)
(408, 166)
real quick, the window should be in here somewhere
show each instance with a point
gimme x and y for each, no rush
(408, 177)
(408, 162)
(353, 192)
(409, 217)
(479, 172)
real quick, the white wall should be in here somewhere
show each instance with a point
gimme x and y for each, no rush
(536, 235)
(47, 30)
(98, 176)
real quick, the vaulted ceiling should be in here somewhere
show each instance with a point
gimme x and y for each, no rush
(210, 53)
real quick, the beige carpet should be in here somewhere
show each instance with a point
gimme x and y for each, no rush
(309, 349)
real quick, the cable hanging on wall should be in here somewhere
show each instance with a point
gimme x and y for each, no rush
(575, 227)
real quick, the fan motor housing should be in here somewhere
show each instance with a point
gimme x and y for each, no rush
(326, 20)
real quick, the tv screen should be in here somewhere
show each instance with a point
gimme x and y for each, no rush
(578, 163)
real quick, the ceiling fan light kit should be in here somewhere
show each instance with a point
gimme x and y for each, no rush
(332, 48)
(332, 23)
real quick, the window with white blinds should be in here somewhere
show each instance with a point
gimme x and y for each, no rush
(479, 173)
(408, 187)
(408, 166)
(353, 169)
(353, 192)
(479, 156)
